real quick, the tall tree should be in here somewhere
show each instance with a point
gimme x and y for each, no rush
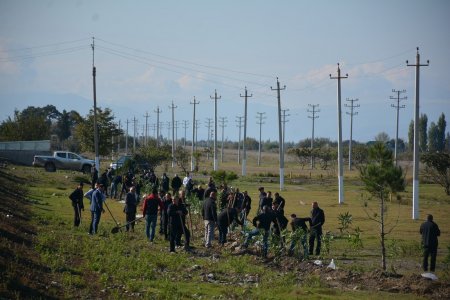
(423, 124)
(84, 131)
(441, 124)
(25, 127)
(64, 126)
(411, 136)
(381, 179)
(382, 137)
(437, 168)
(433, 138)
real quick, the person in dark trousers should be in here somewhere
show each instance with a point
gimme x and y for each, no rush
(130, 208)
(176, 211)
(114, 185)
(299, 233)
(317, 221)
(77, 203)
(164, 215)
(262, 224)
(209, 214)
(94, 176)
(165, 183)
(225, 218)
(430, 232)
(104, 180)
(176, 184)
(280, 221)
(97, 199)
(150, 212)
(279, 201)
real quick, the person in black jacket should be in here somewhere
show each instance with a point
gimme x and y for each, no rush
(176, 184)
(166, 201)
(225, 219)
(209, 214)
(280, 221)
(299, 233)
(165, 182)
(130, 209)
(279, 201)
(77, 203)
(317, 220)
(262, 226)
(430, 232)
(176, 212)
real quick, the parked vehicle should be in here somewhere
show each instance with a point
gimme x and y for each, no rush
(63, 160)
(120, 162)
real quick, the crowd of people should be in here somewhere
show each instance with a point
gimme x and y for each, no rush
(221, 206)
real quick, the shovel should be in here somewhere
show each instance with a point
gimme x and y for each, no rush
(111, 214)
(117, 228)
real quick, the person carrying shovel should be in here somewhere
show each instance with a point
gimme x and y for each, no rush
(77, 203)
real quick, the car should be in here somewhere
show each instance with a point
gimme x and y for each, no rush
(120, 162)
(63, 160)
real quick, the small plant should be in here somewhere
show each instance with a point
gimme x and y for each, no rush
(327, 238)
(345, 220)
(354, 239)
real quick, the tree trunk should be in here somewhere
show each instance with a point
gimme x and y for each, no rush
(382, 234)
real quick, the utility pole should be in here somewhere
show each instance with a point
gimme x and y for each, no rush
(173, 133)
(209, 121)
(244, 148)
(283, 120)
(157, 111)
(126, 139)
(280, 135)
(339, 117)
(118, 141)
(260, 123)
(193, 136)
(161, 126)
(351, 113)
(146, 128)
(398, 106)
(197, 125)
(134, 134)
(185, 126)
(168, 130)
(94, 71)
(239, 121)
(176, 134)
(222, 121)
(154, 130)
(313, 117)
(215, 127)
(415, 212)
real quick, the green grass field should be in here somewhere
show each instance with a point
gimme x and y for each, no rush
(125, 265)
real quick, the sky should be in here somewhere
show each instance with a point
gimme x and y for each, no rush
(150, 53)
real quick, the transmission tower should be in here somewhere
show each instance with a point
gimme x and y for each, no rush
(351, 113)
(185, 126)
(209, 121)
(222, 121)
(239, 125)
(415, 212)
(260, 122)
(398, 106)
(215, 98)
(157, 111)
(193, 136)
(244, 148)
(314, 111)
(284, 121)
(280, 135)
(339, 117)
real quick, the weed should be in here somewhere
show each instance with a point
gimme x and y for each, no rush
(345, 220)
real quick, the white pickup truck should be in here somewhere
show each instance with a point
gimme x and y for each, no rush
(63, 160)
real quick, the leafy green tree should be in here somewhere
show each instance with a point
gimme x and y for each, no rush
(382, 137)
(153, 155)
(25, 127)
(303, 155)
(423, 125)
(182, 158)
(441, 125)
(437, 168)
(381, 178)
(411, 136)
(433, 136)
(64, 126)
(84, 131)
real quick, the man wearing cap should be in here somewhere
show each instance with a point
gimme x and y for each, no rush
(77, 203)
